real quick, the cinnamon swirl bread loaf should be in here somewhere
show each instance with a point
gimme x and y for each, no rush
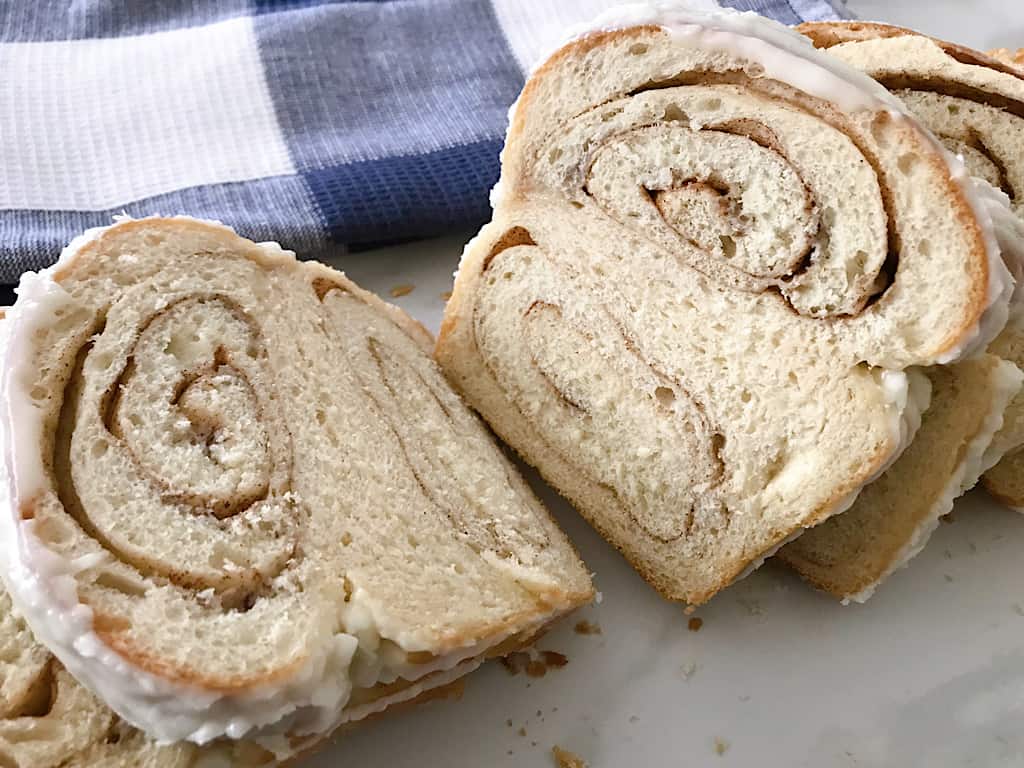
(974, 103)
(242, 500)
(714, 254)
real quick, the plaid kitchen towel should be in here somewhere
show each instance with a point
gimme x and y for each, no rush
(312, 123)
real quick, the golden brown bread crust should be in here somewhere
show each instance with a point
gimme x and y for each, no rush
(825, 34)
(579, 46)
(1000, 481)
(318, 271)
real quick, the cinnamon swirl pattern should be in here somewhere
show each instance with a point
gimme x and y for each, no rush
(243, 496)
(714, 251)
(974, 104)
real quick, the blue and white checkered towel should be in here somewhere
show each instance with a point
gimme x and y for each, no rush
(313, 123)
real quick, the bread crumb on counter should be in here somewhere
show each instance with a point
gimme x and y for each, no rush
(566, 759)
(401, 290)
(535, 663)
(587, 628)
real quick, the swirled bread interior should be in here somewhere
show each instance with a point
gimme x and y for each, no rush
(697, 294)
(974, 104)
(258, 465)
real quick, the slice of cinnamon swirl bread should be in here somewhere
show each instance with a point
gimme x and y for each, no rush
(242, 499)
(715, 253)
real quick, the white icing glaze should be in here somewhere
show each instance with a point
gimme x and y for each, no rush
(907, 395)
(976, 461)
(1008, 229)
(756, 563)
(1004, 243)
(43, 588)
(217, 758)
(785, 55)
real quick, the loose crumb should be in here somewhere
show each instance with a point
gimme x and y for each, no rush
(587, 628)
(554, 659)
(688, 670)
(535, 663)
(947, 577)
(522, 730)
(1018, 609)
(445, 295)
(515, 662)
(948, 518)
(721, 746)
(566, 759)
(947, 554)
(509, 722)
(695, 623)
(536, 669)
(402, 290)
(533, 743)
(745, 697)
(634, 719)
(540, 714)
